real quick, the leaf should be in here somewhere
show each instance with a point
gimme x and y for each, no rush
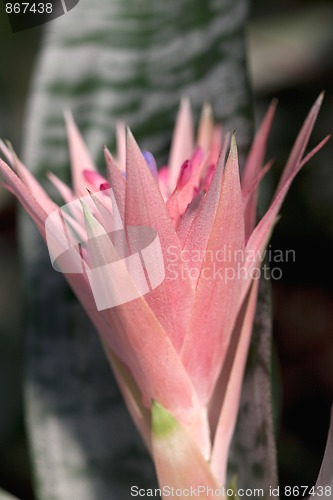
(106, 60)
(120, 59)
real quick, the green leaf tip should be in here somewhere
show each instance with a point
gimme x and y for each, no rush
(233, 488)
(163, 423)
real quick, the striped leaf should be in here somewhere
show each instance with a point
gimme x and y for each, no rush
(126, 59)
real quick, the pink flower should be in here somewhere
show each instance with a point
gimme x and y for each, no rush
(168, 346)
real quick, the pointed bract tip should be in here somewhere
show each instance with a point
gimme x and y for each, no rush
(207, 110)
(185, 103)
(163, 423)
(233, 145)
(8, 144)
(321, 97)
(129, 135)
(107, 153)
(8, 149)
(68, 116)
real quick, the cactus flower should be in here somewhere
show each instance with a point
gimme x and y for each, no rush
(167, 347)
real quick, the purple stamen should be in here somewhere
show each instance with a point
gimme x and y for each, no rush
(150, 160)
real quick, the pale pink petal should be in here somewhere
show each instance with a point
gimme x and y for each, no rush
(301, 141)
(199, 232)
(253, 166)
(230, 384)
(148, 353)
(137, 339)
(206, 128)
(259, 238)
(250, 197)
(216, 144)
(197, 235)
(106, 213)
(315, 150)
(260, 234)
(116, 181)
(118, 185)
(121, 145)
(257, 152)
(72, 212)
(172, 205)
(14, 184)
(183, 194)
(28, 179)
(188, 218)
(182, 142)
(163, 181)
(65, 192)
(79, 156)
(252, 187)
(206, 342)
(144, 206)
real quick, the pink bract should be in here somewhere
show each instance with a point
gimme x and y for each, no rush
(170, 345)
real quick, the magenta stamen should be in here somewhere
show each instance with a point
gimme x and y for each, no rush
(185, 173)
(104, 186)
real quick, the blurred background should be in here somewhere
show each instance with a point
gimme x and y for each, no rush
(290, 56)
